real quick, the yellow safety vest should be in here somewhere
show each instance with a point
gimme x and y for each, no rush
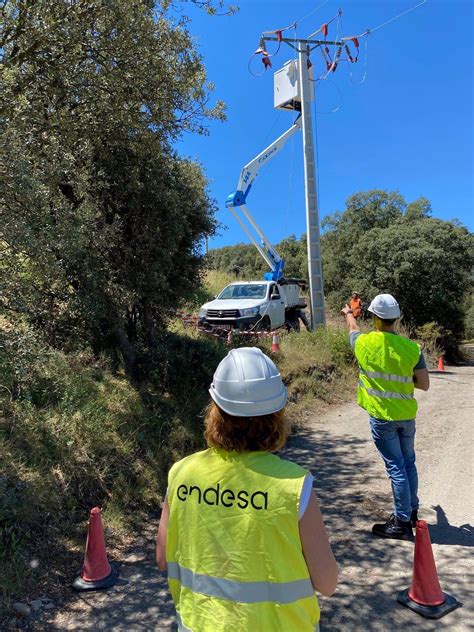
(386, 363)
(233, 548)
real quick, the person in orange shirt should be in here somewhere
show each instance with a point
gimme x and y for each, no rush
(356, 305)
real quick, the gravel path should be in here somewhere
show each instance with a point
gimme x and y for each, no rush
(354, 492)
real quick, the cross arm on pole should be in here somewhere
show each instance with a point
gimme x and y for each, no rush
(311, 42)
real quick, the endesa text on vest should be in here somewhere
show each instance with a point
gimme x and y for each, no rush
(227, 497)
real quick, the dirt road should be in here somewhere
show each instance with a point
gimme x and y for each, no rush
(354, 492)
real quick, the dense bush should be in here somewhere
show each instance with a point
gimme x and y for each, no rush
(469, 317)
(75, 434)
(380, 243)
(101, 218)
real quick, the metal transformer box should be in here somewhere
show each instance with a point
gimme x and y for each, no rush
(286, 90)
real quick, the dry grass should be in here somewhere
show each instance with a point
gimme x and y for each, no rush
(215, 281)
(74, 434)
(316, 367)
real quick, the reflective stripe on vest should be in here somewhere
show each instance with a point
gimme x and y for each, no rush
(391, 377)
(388, 394)
(181, 626)
(244, 592)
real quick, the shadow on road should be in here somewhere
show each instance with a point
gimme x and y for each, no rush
(344, 495)
(372, 571)
(444, 533)
(140, 601)
(436, 372)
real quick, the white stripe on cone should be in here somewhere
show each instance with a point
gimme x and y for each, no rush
(275, 343)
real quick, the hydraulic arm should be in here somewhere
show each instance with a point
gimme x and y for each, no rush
(236, 202)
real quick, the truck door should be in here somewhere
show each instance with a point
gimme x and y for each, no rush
(276, 306)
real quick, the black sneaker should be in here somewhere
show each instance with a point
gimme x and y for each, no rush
(414, 518)
(394, 528)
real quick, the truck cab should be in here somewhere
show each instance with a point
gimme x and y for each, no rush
(253, 305)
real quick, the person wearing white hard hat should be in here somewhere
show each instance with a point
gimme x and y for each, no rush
(241, 533)
(390, 368)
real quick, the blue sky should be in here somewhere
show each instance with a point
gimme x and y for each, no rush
(408, 126)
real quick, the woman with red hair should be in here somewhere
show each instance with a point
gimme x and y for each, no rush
(241, 533)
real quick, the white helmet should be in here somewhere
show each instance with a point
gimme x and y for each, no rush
(248, 384)
(385, 306)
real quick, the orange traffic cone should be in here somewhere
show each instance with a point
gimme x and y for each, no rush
(441, 363)
(425, 595)
(97, 573)
(275, 343)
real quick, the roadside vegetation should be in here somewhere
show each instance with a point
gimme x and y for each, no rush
(77, 432)
(102, 221)
(382, 243)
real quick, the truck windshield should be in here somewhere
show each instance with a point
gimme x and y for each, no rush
(254, 290)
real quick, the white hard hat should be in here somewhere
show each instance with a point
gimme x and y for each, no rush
(385, 306)
(248, 384)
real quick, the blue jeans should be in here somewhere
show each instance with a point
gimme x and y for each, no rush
(395, 440)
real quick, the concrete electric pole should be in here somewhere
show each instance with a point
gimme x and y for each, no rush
(315, 267)
(294, 90)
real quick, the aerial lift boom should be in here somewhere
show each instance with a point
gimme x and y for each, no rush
(236, 202)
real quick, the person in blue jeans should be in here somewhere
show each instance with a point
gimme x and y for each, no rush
(390, 368)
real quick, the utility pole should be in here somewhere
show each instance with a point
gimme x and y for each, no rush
(315, 268)
(302, 102)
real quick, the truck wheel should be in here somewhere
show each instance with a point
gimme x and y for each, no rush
(264, 324)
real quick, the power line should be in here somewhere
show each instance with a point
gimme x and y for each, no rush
(370, 31)
(364, 73)
(336, 17)
(311, 12)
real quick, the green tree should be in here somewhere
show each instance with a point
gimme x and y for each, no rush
(366, 210)
(423, 261)
(101, 218)
(294, 253)
(469, 316)
(244, 260)
(418, 209)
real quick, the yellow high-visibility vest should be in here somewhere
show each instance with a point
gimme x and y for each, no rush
(386, 363)
(233, 550)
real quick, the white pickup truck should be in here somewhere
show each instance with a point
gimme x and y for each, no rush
(256, 305)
